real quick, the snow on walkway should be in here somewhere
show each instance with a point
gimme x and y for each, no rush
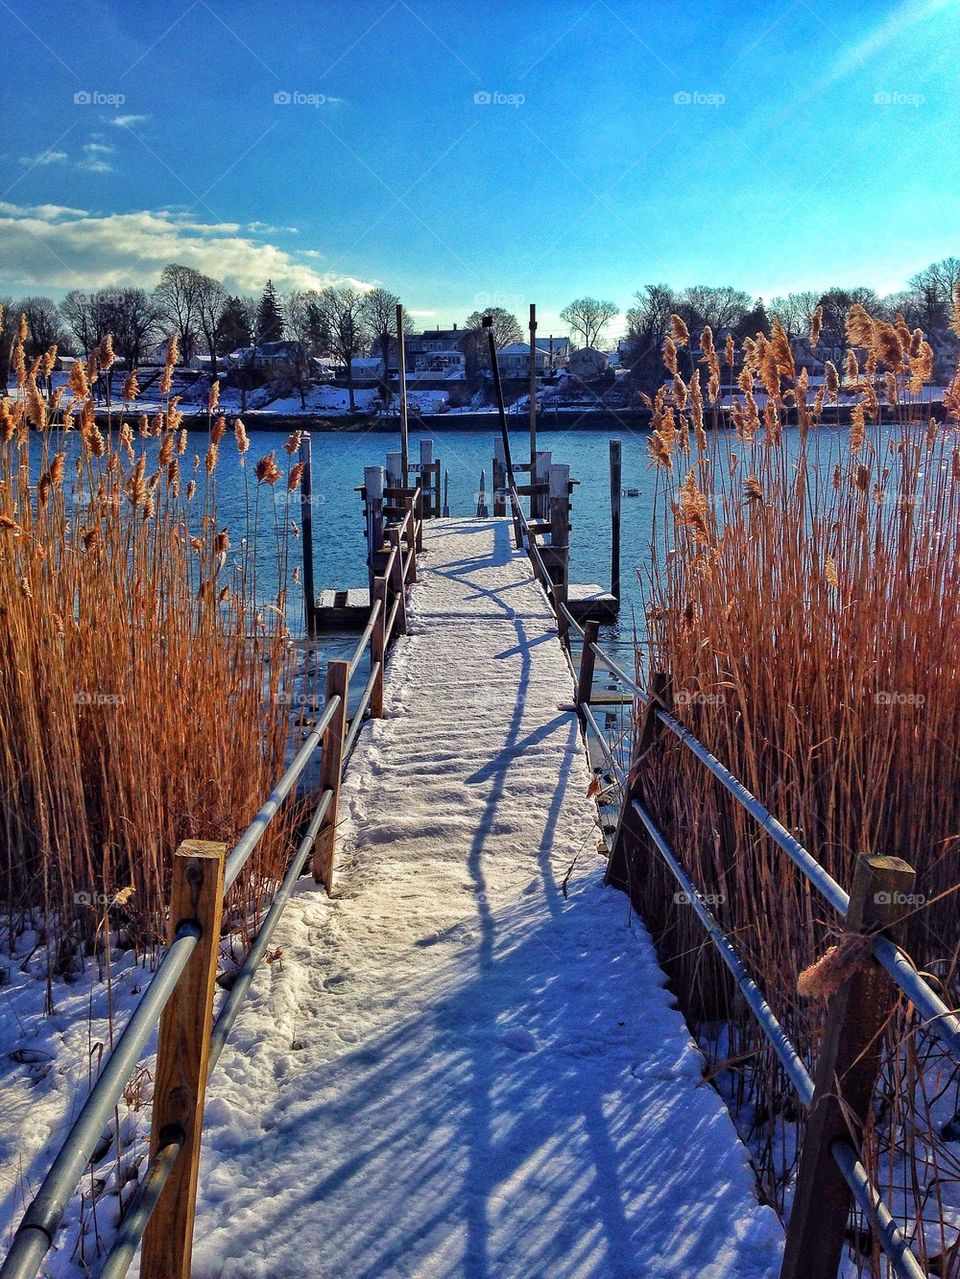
(453, 1069)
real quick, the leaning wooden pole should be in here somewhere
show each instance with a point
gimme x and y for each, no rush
(533, 396)
(498, 392)
(306, 531)
(616, 492)
(402, 368)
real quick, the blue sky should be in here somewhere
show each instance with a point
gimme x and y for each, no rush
(772, 146)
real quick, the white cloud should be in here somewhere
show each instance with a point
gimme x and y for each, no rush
(53, 246)
(126, 121)
(99, 148)
(44, 157)
(94, 158)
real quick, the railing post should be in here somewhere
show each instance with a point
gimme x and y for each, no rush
(411, 521)
(182, 1057)
(397, 584)
(539, 503)
(630, 830)
(426, 476)
(378, 648)
(499, 478)
(588, 661)
(847, 1069)
(331, 767)
(373, 488)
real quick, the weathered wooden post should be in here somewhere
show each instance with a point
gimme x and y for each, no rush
(446, 495)
(394, 468)
(306, 533)
(630, 830)
(588, 661)
(402, 370)
(533, 398)
(373, 485)
(542, 508)
(616, 491)
(183, 1047)
(430, 499)
(331, 766)
(499, 479)
(378, 647)
(397, 583)
(847, 1068)
(411, 522)
(482, 509)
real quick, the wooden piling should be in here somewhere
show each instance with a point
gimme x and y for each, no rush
(394, 470)
(541, 504)
(533, 395)
(411, 523)
(373, 486)
(630, 832)
(616, 491)
(306, 533)
(397, 584)
(183, 1047)
(446, 495)
(482, 509)
(847, 1068)
(430, 499)
(402, 370)
(499, 479)
(588, 661)
(331, 767)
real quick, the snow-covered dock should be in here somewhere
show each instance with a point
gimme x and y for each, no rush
(466, 1063)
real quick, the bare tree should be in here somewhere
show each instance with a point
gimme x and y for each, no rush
(588, 317)
(306, 322)
(794, 311)
(380, 317)
(8, 332)
(342, 309)
(211, 304)
(719, 305)
(506, 330)
(178, 297)
(647, 325)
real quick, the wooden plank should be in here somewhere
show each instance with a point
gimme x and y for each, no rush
(180, 1078)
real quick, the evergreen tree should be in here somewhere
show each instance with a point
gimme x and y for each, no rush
(235, 330)
(269, 316)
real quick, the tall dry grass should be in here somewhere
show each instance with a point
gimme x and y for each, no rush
(804, 600)
(142, 677)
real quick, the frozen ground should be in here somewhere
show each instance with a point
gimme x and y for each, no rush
(456, 1067)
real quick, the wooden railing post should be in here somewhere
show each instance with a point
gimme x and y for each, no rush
(183, 1049)
(378, 652)
(397, 584)
(630, 831)
(847, 1069)
(588, 662)
(373, 488)
(331, 766)
(306, 532)
(410, 506)
(499, 478)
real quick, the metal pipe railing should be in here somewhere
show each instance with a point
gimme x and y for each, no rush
(601, 737)
(37, 1228)
(140, 1208)
(357, 722)
(892, 1239)
(254, 833)
(776, 1036)
(364, 639)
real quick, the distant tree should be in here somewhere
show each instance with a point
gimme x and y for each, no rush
(836, 302)
(588, 317)
(794, 311)
(133, 318)
(307, 324)
(719, 305)
(753, 322)
(87, 317)
(647, 324)
(474, 345)
(178, 299)
(380, 317)
(211, 304)
(342, 310)
(933, 289)
(235, 330)
(45, 324)
(9, 318)
(269, 326)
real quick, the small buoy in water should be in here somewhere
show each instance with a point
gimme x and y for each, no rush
(632, 492)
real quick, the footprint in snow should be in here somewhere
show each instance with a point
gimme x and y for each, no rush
(519, 1040)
